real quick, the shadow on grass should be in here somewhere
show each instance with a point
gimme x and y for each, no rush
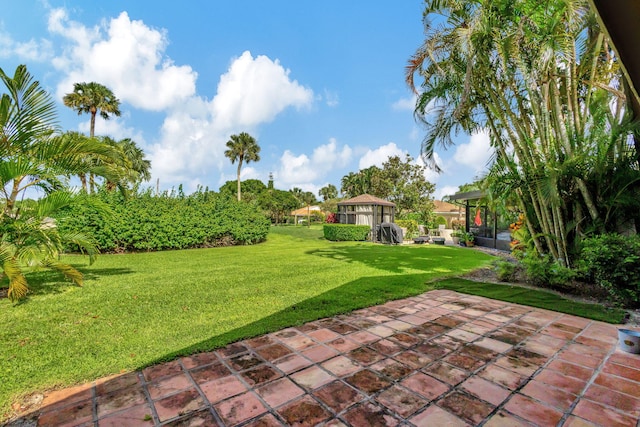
(397, 259)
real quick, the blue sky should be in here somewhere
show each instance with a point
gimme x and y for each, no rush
(320, 85)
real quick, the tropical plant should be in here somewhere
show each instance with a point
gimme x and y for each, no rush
(35, 158)
(543, 81)
(328, 192)
(242, 148)
(93, 98)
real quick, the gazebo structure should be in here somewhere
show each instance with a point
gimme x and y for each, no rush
(304, 212)
(366, 210)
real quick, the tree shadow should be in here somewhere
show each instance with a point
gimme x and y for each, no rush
(398, 259)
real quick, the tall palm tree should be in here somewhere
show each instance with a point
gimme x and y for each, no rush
(93, 98)
(34, 156)
(242, 148)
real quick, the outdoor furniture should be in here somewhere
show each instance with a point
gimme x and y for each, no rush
(421, 240)
(438, 240)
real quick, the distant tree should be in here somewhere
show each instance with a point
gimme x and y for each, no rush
(92, 98)
(328, 192)
(242, 148)
(356, 183)
(308, 199)
(251, 189)
(277, 203)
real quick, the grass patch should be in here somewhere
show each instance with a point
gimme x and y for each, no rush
(533, 298)
(139, 309)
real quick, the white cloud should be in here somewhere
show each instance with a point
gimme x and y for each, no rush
(254, 91)
(125, 55)
(380, 155)
(430, 174)
(331, 98)
(447, 190)
(476, 154)
(405, 104)
(32, 50)
(302, 170)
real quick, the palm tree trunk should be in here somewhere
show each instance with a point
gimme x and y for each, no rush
(239, 168)
(83, 181)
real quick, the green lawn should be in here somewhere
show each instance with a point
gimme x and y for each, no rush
(138, 309)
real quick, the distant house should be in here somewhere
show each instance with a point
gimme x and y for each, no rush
(305, 212)
(449, 211)
(366, 210)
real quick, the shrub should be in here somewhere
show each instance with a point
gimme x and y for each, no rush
(546, 272)
(410, 224)
(505, 270)
(346, 232)
(440, 220)
(612, 262)
(151, 223)
(332, 218)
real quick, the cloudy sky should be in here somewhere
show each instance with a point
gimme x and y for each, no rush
(320, 85)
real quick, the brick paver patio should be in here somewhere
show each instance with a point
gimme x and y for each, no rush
(438, 359)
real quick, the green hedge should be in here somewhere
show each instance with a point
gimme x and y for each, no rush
(346, 232)
(410, 224)
(153, 223)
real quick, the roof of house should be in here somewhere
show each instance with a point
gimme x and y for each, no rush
(366, 199)
(305, 210)
(445, 207)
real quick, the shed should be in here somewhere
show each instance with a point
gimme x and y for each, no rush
(366, 210)
(304, 212)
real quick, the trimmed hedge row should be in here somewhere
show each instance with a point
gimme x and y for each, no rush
(346, 232)
(154, 223)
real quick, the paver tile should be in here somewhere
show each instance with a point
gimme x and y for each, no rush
(232, 350)
(60, 398)
(312, 377)
(602, 415)
(573, 421)
(533, 411)
(368, 381)
(280, 391)
(273, 352)
(338, 396)
(299, 342)
(571, 369)
(462, 335)
(622, 371)
(486, 390)
(447, 373)
(223, 388)
(209, 373)
(392, 368)
(162, 370)
(503, 376)
(462, 361)
(134, 416)
(400, 401)
(364, 337)
(552, 396)
(425, 385)
(613, 398)
(260, 375)
(404, 339)
(365, 356)
(494, 345)
(119, 382)
(202, 418)
(580, 359)
(240, 408)
(245, 361)
(386, 347)
(466, 407)
(621, 385)
(120, 399)
(319, 353)
(75, 414)
(178, 404)
(323, 335)
(502, 419)
(413, 359)
(267, 420)
(448, 342)
(168, 385)
(340, 366)
(369, 415)
(304, 412)
(292, 363)
(436, 416)
(199, 359)
(343, 345)
(261, 341)
(625, 359)
(570, 384)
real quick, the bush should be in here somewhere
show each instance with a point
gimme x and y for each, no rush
(346, 232)
(440, 220)
(332, 218)
(546, 272)
(152, 223)
(612, 262)
(410, 224)
(505, 270)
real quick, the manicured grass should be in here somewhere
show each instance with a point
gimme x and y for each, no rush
(139, 309)
(533, 298)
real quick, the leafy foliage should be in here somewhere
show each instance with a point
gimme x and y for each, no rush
(152, 223)
(346, 232)
(410, 224)
(613, 262)
(242, 148)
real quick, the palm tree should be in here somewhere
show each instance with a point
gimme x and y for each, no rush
(327, 192)
(542, 80)
(92, 98)
(34, 156)
(242, 148)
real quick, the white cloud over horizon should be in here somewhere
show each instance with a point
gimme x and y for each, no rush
(476, 153)
(380, 155)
